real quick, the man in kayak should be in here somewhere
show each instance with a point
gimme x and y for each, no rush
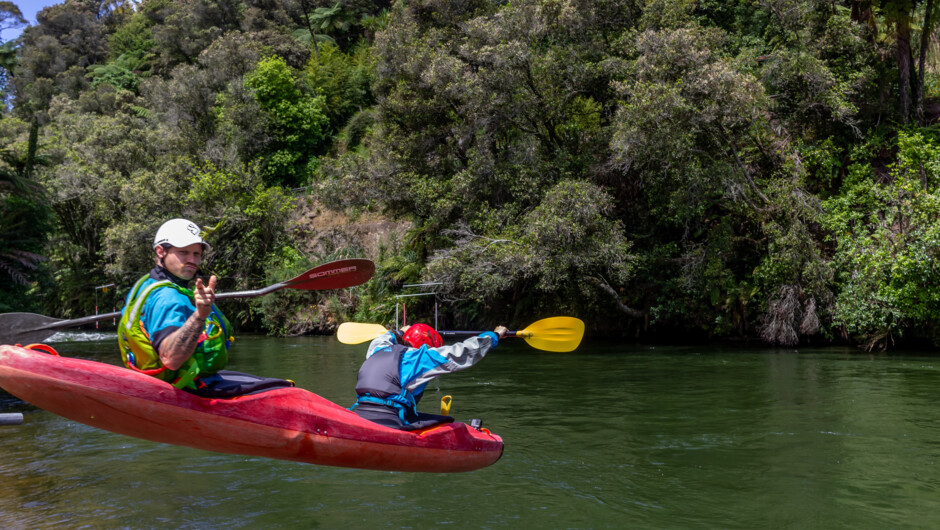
(399, 365)
(175, 333)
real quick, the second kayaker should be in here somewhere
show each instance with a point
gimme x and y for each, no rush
(399, 365)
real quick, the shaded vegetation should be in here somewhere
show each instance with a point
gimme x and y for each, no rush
(660, 169)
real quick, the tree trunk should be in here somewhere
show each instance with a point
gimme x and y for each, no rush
(861, 13)
(904, 64)
(31, 146)
(922, 62)
(609, 291)
(313, 36)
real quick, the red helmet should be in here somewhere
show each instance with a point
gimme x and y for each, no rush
(420, 334)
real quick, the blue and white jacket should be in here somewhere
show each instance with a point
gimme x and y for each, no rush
(395, 375)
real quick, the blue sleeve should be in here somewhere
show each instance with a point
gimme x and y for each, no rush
(425, 364)
(491, 335)
(417, 362)
(166, 310)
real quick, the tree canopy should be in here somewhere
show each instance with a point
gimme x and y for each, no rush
(660, 169)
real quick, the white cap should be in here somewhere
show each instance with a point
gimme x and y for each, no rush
(178, 233)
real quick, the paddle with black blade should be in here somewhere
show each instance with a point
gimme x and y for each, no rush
(555, 334)
(25, 328)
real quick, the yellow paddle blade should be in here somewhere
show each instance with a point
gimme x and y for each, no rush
(559, 334)
(356, 333)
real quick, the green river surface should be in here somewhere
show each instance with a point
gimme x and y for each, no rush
(609, 436)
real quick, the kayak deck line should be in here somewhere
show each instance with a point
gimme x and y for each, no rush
(286, 423)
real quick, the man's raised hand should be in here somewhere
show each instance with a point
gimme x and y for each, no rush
(205, 297)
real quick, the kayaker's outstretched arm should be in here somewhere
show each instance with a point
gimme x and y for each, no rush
(461, 355)
(180, 345)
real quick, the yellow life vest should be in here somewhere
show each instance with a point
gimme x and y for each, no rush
(137, 351)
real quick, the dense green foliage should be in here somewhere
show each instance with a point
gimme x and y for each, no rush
(658, 168)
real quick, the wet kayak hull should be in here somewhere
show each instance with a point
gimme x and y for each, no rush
(285, 423)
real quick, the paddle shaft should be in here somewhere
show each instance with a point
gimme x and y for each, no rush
(556, 334)
(26, 327)
(75, 322)
(453, 333)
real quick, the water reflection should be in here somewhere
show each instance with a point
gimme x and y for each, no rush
(610, 436)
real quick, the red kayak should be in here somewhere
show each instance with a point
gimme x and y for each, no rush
(285, 423)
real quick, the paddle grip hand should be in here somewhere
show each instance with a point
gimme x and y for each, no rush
(204, 297)
(501, 331)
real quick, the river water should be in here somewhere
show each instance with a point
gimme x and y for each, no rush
(608, 436)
